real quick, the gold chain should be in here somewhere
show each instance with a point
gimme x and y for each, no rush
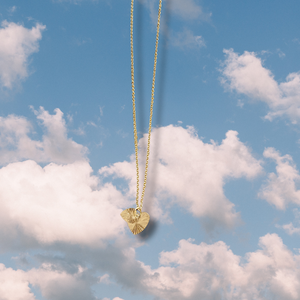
(139, 206)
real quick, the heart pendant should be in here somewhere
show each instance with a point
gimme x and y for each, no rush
(136, 222)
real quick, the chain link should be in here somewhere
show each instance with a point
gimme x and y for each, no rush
(140, 206)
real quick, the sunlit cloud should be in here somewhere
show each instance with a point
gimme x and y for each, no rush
(280, 188)
(60, 202)
(179, 159)
(17, 145)
(213, 271)
(246, 75)
(17, 44)
(190, 271)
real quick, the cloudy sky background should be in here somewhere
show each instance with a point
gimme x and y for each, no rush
(223, 191)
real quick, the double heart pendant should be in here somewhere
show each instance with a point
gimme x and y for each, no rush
(137, 221)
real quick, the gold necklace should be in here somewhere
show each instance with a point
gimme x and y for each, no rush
(135, 218)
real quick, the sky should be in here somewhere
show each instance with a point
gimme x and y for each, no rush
(223, 189)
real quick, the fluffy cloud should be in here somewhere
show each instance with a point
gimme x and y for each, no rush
(214, 272)
(70, 272)
(16, 144)
(54, 284)
(179, 159)
(290, 229)
(246, 75)
(60, 285)
(17, 43)
(192, 271)
(280, 189)
(14, 285)
(57, 203)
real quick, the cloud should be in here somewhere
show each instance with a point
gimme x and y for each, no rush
(57, 203)
(192, 271)
(214, 272)
(17, 43)
(186, 39)
(60, 202)
(280, 189)
(280, 53)
(56, 145)
(59, 279)
(54, 284)
(290, 229)
(60, 285)
(188, 10)
(246, 75)
(12, 9)
(114, 259)
(196, 271)
(183, 160)
(16, 144)
(14, 285)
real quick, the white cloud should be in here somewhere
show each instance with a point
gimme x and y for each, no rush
(183, 160)
(246, 75)
(214, 272)
(53, 284)
(290, 228)
(16, 144)
(57, 203)
(192, 271)
(14, 285)
(56, 145)
(280, 189)
(186, 39)
(17, 43)
(69, 272)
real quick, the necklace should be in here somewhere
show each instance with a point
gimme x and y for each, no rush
(135, 218)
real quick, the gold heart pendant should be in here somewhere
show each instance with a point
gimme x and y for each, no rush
(136, 222)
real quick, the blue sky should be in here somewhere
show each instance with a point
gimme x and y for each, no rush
(223, 187)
